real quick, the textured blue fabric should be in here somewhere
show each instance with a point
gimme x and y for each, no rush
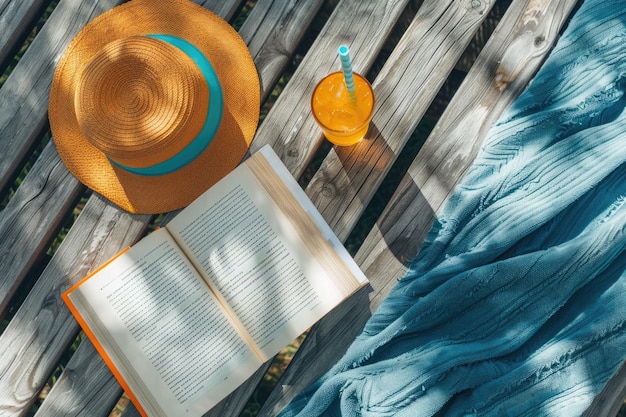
(515, 304)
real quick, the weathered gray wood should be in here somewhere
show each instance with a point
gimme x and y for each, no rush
(274, 29)
(289, 127)
(611, 399)
(130, 411)
(408, 217)
(225, 9)
(31, 219)
(16, 17)
(100, 391)
(43, 327)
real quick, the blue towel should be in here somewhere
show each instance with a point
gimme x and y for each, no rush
(516, 304)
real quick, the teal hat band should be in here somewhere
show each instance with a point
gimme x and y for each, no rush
(213, 119)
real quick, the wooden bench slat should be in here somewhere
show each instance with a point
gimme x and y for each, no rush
(274, 30)
(224, 8)
(99, 390)
(410, 213)
(42, 204)
(16, 17)
(611, 398)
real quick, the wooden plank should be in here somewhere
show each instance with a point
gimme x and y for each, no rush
(130, 411)
(32, 218)
(274, 30)
(225, 9)
(446, 154)
(99, 390)
(16, 17)
(31, 345)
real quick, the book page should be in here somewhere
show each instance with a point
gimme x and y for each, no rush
(328, 261)
(164, 323)
(316, 234)
(257, 261)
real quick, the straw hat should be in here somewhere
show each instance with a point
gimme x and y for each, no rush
(153, 102)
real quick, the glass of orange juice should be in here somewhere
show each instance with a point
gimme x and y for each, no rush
(344, 116)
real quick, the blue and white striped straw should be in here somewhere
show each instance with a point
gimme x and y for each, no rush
(344, 54)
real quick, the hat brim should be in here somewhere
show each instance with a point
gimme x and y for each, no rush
(238, 77)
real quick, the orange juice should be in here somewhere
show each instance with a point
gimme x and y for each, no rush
(343, 119)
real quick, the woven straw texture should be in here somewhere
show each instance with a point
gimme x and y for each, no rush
(144, 101)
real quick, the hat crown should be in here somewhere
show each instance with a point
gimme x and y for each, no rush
(230, 118)
(140, 101)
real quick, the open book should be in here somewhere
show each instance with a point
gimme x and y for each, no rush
(192, 310)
